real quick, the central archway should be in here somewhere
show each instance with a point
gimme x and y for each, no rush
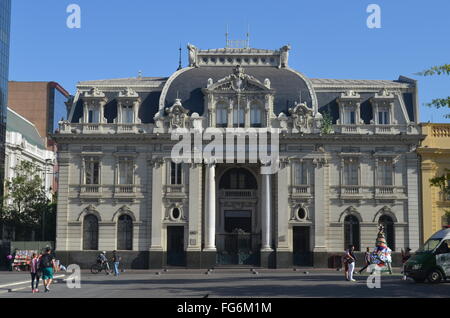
(237, 240)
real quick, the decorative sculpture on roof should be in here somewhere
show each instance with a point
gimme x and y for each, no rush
(193, 52)
(177, 114)
(301, 116)
(284, 57)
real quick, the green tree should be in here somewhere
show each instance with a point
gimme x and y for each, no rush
(26, 206)
(327, 123)
(438, 102)
(443, 183)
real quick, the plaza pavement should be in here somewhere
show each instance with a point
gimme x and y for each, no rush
(222, 283)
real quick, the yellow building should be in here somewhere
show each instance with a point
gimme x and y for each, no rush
(435, 153)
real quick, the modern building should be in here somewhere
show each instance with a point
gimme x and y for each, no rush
(24, 143)
(44, 104)
(347, 163)
(435, 162)
(5, 22)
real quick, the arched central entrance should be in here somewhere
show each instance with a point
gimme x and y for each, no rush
(237, 239)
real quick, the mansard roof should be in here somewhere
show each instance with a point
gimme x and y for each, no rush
(187, 84)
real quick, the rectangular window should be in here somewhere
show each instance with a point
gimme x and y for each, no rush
(126, 170)
(175, 173)
(255, 117)
(349, 117)
(383, 117)
(221, 117)
(300, 173)
(127, 115)
(93, 116)
(241, 118)
(92, 170)
(385, 172)
(351, 172)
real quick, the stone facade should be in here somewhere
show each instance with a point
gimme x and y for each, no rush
(434, 151)
(347, 161)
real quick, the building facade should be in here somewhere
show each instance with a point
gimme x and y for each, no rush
(24, 143)
(346, 163)
(435, 162)
(5, 22)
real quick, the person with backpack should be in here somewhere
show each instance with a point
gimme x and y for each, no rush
(47, 266)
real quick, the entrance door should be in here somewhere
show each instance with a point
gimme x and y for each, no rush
(301, 252)
(176, 256)
(237, 244)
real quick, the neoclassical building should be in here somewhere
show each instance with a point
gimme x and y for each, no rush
(346, 163)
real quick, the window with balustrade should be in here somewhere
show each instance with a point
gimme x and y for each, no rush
(385, 172)
(300, 173)
(349, 117)
(383, 116)
(92, 170)
(351, 172)
(126, 171)
(127, 114)
(93, 115)
(176, 173)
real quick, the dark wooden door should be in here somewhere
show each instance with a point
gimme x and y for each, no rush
(176, 255)
(301, 246)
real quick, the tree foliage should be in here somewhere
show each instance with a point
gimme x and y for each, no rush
(438, 70)
(26, 204)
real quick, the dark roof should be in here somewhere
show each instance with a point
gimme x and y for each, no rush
(286, 83)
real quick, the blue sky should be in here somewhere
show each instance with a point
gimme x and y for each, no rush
(329, 38)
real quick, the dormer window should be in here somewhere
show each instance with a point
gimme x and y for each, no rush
(383, 116)
(238, 117)
(127, 114)
(221, 115)
(255, 116)
(93, 115)
(349, 117)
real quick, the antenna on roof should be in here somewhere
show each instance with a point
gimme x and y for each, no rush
(248, 35)
(179, 61)
(226, 37)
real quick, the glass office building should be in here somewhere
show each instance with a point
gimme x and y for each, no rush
(5, 20)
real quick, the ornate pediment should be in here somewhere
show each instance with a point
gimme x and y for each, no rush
(177, 114)
(238, 81)
(94, 92)
(302, 116)
(128, 93)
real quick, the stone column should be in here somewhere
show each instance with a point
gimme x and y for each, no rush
(266, 213)
(210, 239)
(156, 249)
(414, 224)
(195, 212)
(321, 205)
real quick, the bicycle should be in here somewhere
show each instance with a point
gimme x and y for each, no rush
(97, 268)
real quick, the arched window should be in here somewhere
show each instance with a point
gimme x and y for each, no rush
(221, 115)
(125, 233)
(389, 230)
(90, 232)
(255, 116)
(238, 178)
(351, 232)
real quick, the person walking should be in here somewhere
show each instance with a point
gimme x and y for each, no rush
(34, 271)
(9, 262)
(366, 260)
(350, 259)
(47, 265)
(116, 261)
